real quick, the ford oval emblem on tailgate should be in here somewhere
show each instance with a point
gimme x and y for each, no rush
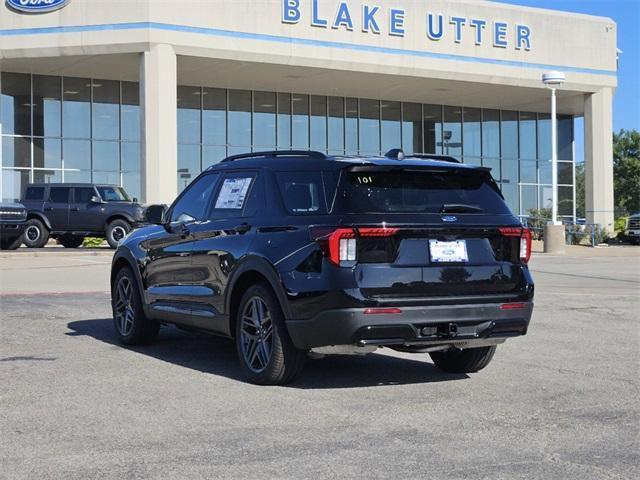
(37, 6)
(449, 218)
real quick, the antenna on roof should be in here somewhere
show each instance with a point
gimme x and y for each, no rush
(395, 153)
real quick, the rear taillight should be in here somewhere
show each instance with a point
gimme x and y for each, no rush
(525, 240)
(340, 244)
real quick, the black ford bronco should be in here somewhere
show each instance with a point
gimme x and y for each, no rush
(13, 217)
(292, 251)
(69, 212)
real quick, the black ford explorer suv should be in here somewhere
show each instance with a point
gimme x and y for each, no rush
(69, 212)
(12, 220)
(291, 251)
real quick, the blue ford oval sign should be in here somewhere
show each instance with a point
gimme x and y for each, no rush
(449, 218)
(37, 6)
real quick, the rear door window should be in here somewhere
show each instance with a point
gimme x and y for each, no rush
(59, 194)
(415, 191)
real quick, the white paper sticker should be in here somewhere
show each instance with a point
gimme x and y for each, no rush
(233, 193)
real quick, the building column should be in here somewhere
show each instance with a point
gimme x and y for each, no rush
(598, 157)
(158, 117)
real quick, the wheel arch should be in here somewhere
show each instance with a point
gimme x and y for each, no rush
(118, 216)
(39, 216)
(123, 258)
(251, 271)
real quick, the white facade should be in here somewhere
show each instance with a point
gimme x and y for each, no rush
(486, 55)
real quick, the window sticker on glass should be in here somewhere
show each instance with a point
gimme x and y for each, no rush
(233, 193)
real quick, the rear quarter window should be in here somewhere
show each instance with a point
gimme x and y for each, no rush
(302, 192)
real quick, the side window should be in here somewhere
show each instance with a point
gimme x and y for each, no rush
(302, 192)
(59, 195)
(196, 198)
(233, 194)
(34, 193)
(83, 195)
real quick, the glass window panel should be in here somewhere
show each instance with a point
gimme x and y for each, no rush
(300, 121)
(336, 125)
(511, 196)
(473, 161)
(491, 133)
(527, 132)
(106, 109)
(432, 128)
(132, 183)
(47, 153)
(452, 131)
(81, 176)
(76, 107)
(565, 201)
(318, 123)
(528, 171)
(390, 126)
(76, 154)
(369, 127)
(214, 116)
(13, 184)
(565, 137)
(412, 128)
(544, 136)
(544, 171)
(106, 156)
(264, 120)
(15, 105)
(51, 176)
(240, 118)
(47, 106)
(509, 171)
(16, 152)
(189, 114)
(188, 164)
(529, 200)
(130, 111)
(494, 165)
(130, 152)
(471, 132)
(351, 126)
(284, 121)
(237, 150)
(212, 155)
(107, 178)
(509, 134)
(546, 196)
(565, 173)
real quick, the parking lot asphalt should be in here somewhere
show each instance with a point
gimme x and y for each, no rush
(561, 402)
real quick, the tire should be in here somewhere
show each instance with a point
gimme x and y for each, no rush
(116, 231)
(36, 234)
(10, 243)
(70, 241)
(267, 355)
(132, 326)
(463, 361)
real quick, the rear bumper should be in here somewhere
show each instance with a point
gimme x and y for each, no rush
(430, 325)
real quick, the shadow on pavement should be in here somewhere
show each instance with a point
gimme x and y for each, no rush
(215, 355)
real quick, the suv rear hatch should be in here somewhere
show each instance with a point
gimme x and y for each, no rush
(411, 233)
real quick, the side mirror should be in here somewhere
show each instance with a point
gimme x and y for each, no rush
(96, 199)
(155, 214)
(135, 200)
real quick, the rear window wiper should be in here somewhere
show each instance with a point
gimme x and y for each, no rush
(459, 208)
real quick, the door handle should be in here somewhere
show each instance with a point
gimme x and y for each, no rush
(242, 228)
(75, 209)
(48, 209)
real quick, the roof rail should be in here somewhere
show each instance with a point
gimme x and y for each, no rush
(398, 154)
(278, 153)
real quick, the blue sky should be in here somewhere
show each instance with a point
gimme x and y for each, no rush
(626, 13)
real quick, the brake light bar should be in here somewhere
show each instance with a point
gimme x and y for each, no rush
(340, 244)
(514, 306)
(525, 240)
(382, 311)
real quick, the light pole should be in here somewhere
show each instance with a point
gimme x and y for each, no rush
(553, 80)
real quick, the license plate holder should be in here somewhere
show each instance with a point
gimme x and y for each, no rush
(448, 252)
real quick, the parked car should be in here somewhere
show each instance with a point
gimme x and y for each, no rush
(291, 251)
(69, 212)
(13, 217)
(632, 232)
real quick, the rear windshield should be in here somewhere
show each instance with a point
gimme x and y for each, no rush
(454, 191)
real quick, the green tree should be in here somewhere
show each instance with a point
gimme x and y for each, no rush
(580, 202)
(626, 171)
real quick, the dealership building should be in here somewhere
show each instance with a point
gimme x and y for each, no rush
(146, 94)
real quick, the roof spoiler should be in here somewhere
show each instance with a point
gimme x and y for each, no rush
(398, 154)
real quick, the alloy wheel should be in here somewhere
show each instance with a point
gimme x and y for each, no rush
(256, 334)
(32, 233)
(123, 306)
(118, 233)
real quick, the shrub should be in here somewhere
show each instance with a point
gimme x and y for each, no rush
(538, 218)
(620, 225)
(92, 242)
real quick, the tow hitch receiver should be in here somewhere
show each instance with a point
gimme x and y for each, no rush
(448, 330)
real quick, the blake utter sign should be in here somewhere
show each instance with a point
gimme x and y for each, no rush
(374, 19)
